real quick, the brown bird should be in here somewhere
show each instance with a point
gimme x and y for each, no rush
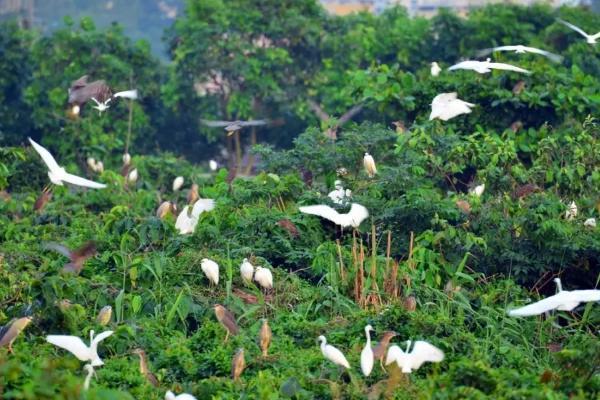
(81, 91)
(193, 195)
(226, 318)
(264, 337)
(78, 257)
(331, 132)
(463, 206)
(238, 364)
(104, 315)
(410, 303)
(525, 190)
(400, 126)
(289, 226)
(518, 88)
(233, 126)
(516, 126)
(10, 331)
(144, 370)
(380, 350)
(165, 209)
(43, 199)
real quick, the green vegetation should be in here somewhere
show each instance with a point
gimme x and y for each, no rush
(464, 259)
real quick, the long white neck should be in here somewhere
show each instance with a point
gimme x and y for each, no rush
(88, 378)
(408, 343)
(558, 284)
(368, 337)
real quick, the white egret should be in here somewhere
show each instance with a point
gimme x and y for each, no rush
(99, 167)
(178, 183)
(186, 221)
(332, 354)
(264, 277)
(520, 49)
(183, 396)
(58, 175)
(369, 164)
(478, 190)
(211, 270)
(354, 217)
(571, 212)
(591, 39)
(435, 69)
(408, 361)
(246, 270)
(340, 195)
(88, 378)
(486, 66)
(212, 164)
(366, 355)
(564, 300)
(590, 223)
(126, 159)
(446, 106)
(76, 346)
(91, 162)
(132, 176)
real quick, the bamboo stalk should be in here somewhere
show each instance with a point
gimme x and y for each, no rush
(411, 263)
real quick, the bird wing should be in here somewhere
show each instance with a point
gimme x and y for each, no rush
(507, 67)
(575, 28)
(444, 98)
(101, 337)
(322, 211)
(127, 94)
(358, 213)
(469, 64)
(335, 355)
(394, 353)
(46, 156)
(585, 295)
(81, 82)
(321, 114)
(229, 321)
(202, 205)
(253, 122)
(547, 304)
(185, 223)
(79, 181)
(86, 251)
(59, 248)
(422, 352)
(551, 56)
(72, 344)
(216, 124)
(349, 114)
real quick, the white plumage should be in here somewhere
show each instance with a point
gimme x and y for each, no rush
(408, 361)
(133, 175)
(76, 346)
(591, 39)
(446, 106)
(184, 396)
(354, 217)
(565, 300)
(101, 107)
(126, 158)
(333, 354)
(246, 270)
(212, 164)
(340, 195)
(88, 378)
(520, 49)
(478, 190)
(571, 212)
(127, 94)
(366, 355)
(590, 223)
(435, 69)
(486, 66)
(186, 221)
(369, 164)
(58, 175)
(264, 277)
(211, 270)
(178, 183)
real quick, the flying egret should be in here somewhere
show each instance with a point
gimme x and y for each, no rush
(486, 66)
(571, 212)
(435, 69)
(226, 318)
(178, 183)
(353, 218)
(88, 378)
(58, 175)
(564, 300)
(211, 270)
(238, 364)
(332, 354)
(478, 190)
(10, 331)
(590, 223)
(264, 337)
(264, 277)
(446, 106)
(104, 316)
(77, 257)
(380, 349)
(183, 396)
(408, 361)
(76, 346)
(144, 370)
(366, 355)
(246, 270)
(340, 195)
(233, 126)
(369, 165)
(520, 49)
(591, 39)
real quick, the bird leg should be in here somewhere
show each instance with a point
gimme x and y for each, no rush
(226, 337)
(381, 364)
(10, 349)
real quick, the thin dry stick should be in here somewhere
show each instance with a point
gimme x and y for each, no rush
(248, 168)
(410, 251)
(361, 271)
(342, 272)
(238, 148)
(374, 297)
(355, 268)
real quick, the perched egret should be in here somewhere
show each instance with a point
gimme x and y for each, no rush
(226, 318)
(564, 300)
(77, 257)
(76, 346)
(91, 163)
(591, 39)
(369, 165)
(247, 270)
(408, 361)
(132, 176)
(126, 159)
(486, 66)
(43, 199)
(380, 349)
(104, 316)
(183, 396)
(571, 212)
(264, 337)
(99, 167)
(354, 217)
(144, 370)
(58, 175)
(233, 126)
(520, 49)
(446, 106)
(435, 69)
(10, 331)
(478, 190)
(178, 183)
(264, 277)
(590, 223)
(332, 354)
(88, 378)
(211, 270)
(212, 165)
(366, 355)
(238, 364)
(126, 165)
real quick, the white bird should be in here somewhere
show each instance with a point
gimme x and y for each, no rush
(565, 300)
(91, 162)
(340, 195)
(408, 361)
(99, 167)
(483, 67)
(178, 183)
(126, 158)
(58, 175)
(211, 270)
(101, 107)
(186, 221)
(264, 277)
(478, 190)
(435, 69)
(591, 39)
(76, 346)
(520, 49)
(132, 176)
(590, 223)
(354, 217)
(366, 355)
(247, 270)
(212, 164)
(184, 396)
(369, 164)
(333, 354)
(127, 94)
(446, 106)
(571, 212)
(88, 378)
